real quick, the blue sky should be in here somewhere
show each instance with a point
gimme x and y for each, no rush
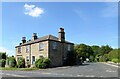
(92, 23)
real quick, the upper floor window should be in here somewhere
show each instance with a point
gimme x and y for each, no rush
(27, 48)
(19, 49)
(41, 46)
(55, 45)
(69, 47)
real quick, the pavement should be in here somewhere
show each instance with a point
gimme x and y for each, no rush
(85, 70)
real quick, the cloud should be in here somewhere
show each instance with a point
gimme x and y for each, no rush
(111, 10)
(32, 10)
(8, 52)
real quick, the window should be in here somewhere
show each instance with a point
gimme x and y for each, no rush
(69, 47)
(55, 45)
(19, 58)
(27, 48)
(33, 59)
(19, 49)
(27, 58)
(40, 56)
(41, 46)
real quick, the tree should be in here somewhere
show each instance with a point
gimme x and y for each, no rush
(2, 62)
(96, 49)
(83, 51)
(113, 54)
(12, 61)
(105, 49)
(2, 55)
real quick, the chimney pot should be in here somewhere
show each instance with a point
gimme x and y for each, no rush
(23, 39)
(34, 37)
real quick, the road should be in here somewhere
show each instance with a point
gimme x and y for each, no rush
(85, 70)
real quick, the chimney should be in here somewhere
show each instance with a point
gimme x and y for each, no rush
(23, 40)
(61, 35)
(34, 37)
(20, 43)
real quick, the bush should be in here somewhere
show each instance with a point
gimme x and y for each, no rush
(42, 63)
(21, 63)
(115, 60)
(113, 54)
(2, 62)
(12, 62)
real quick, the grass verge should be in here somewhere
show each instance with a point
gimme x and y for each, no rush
(22, 69)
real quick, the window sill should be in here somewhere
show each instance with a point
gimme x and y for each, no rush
(41, 49)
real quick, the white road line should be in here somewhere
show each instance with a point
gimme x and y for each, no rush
(80, 75)
(89, 76)
(112, 65)
(110, 71)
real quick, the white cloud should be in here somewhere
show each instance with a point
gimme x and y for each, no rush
(111, 10)
(33, 11)
(8, 52)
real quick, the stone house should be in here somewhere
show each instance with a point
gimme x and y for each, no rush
(54, 48)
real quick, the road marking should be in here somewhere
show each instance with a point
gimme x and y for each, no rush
(110, 71)
(80, 75)
(13, 75)
(46, 73)
(112, 65)
(90, 76)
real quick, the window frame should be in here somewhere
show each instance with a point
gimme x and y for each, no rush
(27, 58)
(54, 45)
(19, 49)
(41, 46)
(68, 47)
(27, 48)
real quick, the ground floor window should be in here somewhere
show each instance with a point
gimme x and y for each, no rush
(33, 59)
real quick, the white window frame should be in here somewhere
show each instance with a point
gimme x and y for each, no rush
(41, 46)
(19, 49)
(27, 48)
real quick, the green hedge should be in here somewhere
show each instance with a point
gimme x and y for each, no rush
(2, 62)
(12, 62)
(21, 63)
(42, 63)
(115, 60)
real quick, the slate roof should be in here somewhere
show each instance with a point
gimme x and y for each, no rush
(44, 38)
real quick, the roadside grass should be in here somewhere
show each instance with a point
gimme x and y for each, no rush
(21, 69)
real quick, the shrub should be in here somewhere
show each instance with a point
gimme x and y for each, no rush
(12, 62)
(115, 60)
(42, 63)
(2, 62)
(113, 54)
(21, 63)
(91, 58)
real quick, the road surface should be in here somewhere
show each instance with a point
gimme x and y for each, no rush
(85, 70)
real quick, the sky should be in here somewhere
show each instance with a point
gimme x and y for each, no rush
(91, 23)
